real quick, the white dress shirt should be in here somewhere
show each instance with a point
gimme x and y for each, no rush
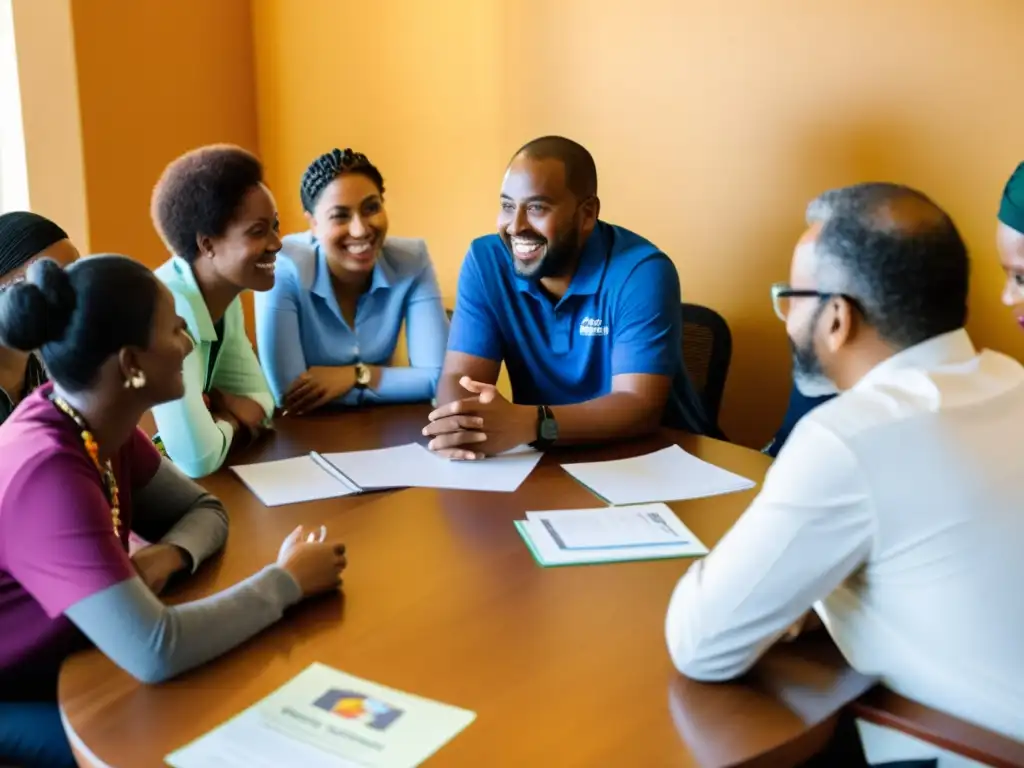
(897, 511)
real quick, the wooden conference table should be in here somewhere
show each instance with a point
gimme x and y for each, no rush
(563, 666)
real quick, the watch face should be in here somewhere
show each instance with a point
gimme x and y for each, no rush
(549, 429)
(362, 375)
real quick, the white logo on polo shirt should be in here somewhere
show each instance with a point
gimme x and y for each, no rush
(592, 326)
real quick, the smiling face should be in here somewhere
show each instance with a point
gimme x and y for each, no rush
(350, 223)
(1010, 243)
(245, 253)
(163, 358)
(541, 222)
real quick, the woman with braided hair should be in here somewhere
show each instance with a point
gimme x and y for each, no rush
(25, 238)
(328, 328)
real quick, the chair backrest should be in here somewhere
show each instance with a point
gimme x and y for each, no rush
(890, 710)
(707, 352)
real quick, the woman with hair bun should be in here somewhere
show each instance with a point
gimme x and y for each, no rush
(328, 328)
(77, 475)
(219, 221)
(24, 238)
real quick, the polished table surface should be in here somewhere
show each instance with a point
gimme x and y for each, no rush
(563, 666)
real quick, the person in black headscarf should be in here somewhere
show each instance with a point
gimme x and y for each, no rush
(24, 238)
(1010, 242)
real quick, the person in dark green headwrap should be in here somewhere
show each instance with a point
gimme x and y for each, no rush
(1010, 241)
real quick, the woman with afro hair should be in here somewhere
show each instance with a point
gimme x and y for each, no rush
(220, 223)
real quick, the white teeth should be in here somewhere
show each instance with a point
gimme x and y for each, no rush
(267, 265)
(358, 247)
(525, 246)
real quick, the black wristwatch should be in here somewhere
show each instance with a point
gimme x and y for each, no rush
(547, 429)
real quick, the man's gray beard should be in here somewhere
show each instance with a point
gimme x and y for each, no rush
(814, 384)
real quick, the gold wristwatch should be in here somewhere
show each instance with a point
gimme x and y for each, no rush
(362, 376)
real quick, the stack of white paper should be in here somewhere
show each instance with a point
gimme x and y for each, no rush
(607, 535)
(670, 474)
(329, 475)
(324, 718)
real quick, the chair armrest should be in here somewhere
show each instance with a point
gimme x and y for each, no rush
(890, 710)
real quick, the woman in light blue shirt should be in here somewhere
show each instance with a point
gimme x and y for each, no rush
(327, 330)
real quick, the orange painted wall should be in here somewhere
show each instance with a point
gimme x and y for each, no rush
(712, 125)
(155, 79)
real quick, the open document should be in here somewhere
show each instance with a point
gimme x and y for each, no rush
(414, 466)
(607, 535)
(330, 475)
(670, 474)
(291, 481)
(324, 718)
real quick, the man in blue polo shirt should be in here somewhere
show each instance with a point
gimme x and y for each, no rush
(585, 315)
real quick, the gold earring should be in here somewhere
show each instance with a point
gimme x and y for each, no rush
(136, 381)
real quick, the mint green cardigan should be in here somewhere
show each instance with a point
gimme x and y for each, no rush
(192, 438)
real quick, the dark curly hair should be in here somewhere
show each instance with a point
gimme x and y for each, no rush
(330, 166)
(199, 193)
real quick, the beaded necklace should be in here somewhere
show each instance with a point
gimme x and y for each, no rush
(91, 448)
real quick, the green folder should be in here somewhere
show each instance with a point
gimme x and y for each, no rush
(626, 557)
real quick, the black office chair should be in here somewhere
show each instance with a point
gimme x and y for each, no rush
(707, 351)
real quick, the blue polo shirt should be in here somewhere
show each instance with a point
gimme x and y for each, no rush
(620, 315)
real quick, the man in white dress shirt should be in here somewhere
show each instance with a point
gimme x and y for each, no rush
(895, 510)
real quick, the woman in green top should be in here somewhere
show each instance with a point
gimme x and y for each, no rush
(219, 221)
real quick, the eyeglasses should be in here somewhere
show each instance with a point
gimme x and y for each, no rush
(782, 294)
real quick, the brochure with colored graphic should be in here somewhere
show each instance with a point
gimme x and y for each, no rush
(324, 718)
(607, 535)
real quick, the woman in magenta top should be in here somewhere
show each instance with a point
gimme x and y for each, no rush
(76, 476)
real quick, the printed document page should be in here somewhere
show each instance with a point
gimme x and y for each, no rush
(414, 466)
(670, 474)
(290, 481)
(635, 526)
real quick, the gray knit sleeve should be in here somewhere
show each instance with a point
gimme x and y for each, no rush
(154, 642)
(174, 509)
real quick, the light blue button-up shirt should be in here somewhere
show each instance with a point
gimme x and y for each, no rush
(299, 323)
